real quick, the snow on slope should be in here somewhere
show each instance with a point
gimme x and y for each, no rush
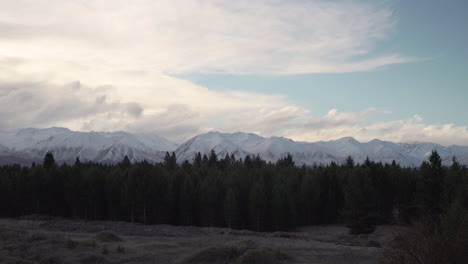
(27, 145)
(220, 143)
(67, 145)
(271, 149)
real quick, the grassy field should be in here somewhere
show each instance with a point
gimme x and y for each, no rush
(38, 239)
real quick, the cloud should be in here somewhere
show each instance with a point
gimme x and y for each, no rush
(95, 65)
(197, 110)
(335, 125)
(134, 109)
(174, 36)
(336, 119)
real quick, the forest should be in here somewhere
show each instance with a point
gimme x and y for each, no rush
(235, 193)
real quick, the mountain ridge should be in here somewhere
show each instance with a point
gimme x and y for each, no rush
(29, 145)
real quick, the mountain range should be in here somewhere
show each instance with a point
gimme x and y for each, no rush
(29, 145)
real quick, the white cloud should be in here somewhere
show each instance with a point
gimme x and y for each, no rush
(174, 36)
(335, 125)
(107, 65)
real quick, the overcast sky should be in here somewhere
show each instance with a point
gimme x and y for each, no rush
(307, 70)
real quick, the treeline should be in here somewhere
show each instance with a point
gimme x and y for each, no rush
(227, 192)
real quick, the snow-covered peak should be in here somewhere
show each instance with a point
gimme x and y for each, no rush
(323, 152)
(347, 140)
(42, 131)
(31, 144)
(66, 145)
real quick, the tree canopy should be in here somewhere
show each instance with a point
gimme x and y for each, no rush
(226, 192)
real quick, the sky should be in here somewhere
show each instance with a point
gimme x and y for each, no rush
(308, 70)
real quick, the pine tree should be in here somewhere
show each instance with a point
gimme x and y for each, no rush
(49, 161)
(453, 184)
(125, 163)
(213, 159)
(77, 162)
(349, 162)
(170, 161)
(431, 185)
(197, 161)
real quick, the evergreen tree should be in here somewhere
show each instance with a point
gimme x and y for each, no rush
(286, 161)
(125, 163)
(453, 184)
(197, 161)
(49, 161)
(349, 162)
(431, 185)
(170, 161)
(213, 160)
(77, 162)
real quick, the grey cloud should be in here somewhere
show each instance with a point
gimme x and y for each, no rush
(76, 85)
(134, 109)
(42, 104)
(100, 99)
(177, 123)
(18, 31)
(17, 112)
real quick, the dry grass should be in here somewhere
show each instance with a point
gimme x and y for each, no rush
(69, 241)
(107, 236)
(236, 253)
(93, 259)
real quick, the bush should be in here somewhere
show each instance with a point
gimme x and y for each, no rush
(433, 240)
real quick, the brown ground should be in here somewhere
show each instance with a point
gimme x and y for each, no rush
(54, 240)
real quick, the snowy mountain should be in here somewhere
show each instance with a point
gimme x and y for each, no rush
(274, 148)
(27, 145)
